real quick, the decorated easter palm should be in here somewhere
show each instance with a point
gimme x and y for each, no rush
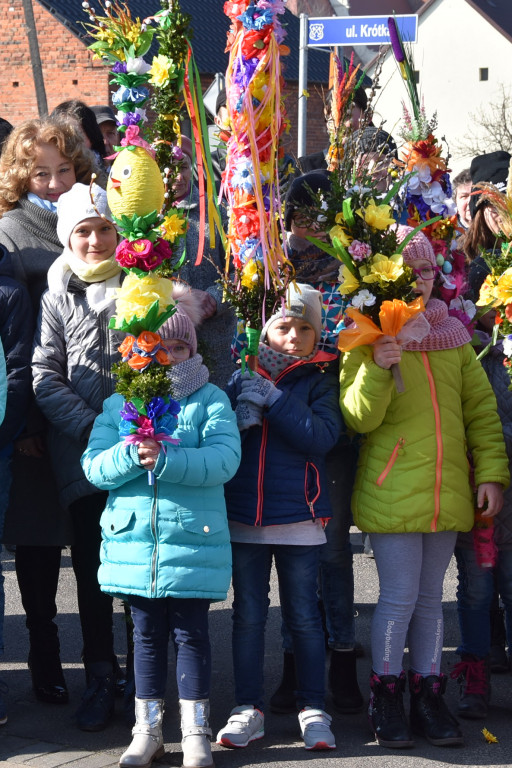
(140, 196)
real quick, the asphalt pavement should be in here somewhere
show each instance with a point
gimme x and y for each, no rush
(44, 736)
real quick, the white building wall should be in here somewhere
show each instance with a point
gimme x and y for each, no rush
(454, 42)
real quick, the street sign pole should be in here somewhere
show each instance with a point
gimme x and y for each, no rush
(302, 115)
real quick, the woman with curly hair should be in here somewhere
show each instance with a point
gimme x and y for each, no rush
(40, 161)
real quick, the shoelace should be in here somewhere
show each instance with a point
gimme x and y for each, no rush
(474, 674)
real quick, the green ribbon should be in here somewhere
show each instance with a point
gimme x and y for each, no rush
(253, 340)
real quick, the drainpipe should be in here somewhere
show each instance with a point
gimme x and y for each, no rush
(35, 58)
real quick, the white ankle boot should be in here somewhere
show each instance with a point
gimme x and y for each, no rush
(196, 734)
(147, 743)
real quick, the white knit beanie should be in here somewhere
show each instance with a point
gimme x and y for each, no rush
(303, 302)
(76, 205)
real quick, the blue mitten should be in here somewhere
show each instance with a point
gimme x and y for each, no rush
(248, 415)
(258, 390)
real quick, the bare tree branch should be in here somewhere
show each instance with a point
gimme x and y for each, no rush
(490, 128)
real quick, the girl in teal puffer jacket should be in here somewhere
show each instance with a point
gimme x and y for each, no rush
(412, 494)
(166, 548)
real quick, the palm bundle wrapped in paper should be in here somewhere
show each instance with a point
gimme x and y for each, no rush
(428, 192)
(257, 261)
(347, 78)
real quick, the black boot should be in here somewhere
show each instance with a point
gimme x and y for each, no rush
(97, 707)
(430, 716)
(346, 696)
(499, 658)
(474, 678)
(386, 711)
(283, 700)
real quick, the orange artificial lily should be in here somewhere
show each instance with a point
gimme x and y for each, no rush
(393, 316)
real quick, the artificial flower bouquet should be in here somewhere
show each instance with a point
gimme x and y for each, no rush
(427, 195)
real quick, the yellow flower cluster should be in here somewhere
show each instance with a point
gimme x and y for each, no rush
(251, 274)
(172, 226)
(339, 231)
(377, 216)
(495, 292)
(162, 70)
(385, 269)
(138, 294)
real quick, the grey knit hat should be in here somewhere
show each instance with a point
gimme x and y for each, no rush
(180, 326)
(303, 302)
(76, 205)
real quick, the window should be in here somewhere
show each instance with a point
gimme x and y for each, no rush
(484, 73)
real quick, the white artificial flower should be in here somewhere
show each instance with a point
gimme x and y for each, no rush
(363, 299)
(137, 65)
(463, 305)
(507, 346)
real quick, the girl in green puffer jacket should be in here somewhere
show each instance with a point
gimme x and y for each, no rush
(412, 494)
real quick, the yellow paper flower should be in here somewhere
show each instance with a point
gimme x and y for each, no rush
(489, 737)
(251, 274)
(341, 234)
(162, 70)
(172, 227)
(385, 269)
(377, 216)
(259, 85)
(350, 282)
(503, 288)
(137, 294)
(487, 296)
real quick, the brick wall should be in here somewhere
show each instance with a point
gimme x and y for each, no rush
(68, 69)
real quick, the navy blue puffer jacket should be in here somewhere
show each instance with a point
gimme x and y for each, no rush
(282, 477)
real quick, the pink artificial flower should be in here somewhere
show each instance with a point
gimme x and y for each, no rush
(358, 250)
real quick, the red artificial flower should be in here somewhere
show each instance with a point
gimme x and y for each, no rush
(255, 41)
(247, 222)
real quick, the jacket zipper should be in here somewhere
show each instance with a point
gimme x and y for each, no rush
(312, 502)
(261, 472)
(155, 550)
(439, 441)
(392, 459)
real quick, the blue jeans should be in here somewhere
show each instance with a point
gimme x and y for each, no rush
(5, 485)
(153, 622)
(297, 570)
(336, 575)
(474, 598)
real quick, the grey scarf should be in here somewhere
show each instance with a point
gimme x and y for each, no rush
(187, 377)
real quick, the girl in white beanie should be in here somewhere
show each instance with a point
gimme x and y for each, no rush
(73, 354)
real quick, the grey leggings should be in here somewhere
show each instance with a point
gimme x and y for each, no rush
(411, 568)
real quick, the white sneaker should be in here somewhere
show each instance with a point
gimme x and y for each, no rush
(315, 726)
(245, 724)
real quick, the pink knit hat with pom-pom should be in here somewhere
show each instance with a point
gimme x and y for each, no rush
(417, 248)
(181, 325)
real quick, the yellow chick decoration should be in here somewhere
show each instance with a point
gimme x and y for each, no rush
(135, 185)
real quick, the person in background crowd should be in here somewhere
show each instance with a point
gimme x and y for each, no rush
(218, 320)
(73, 354)
(461, 192)
(5, 130)
(40, 161)
(336, 578)
(15, 396)
(106, 120)
(85, 119)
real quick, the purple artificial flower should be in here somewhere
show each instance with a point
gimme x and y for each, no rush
(131, 118)
(119, 68)
(156, 407)
(129, 412)
(395, 40)
(244, 71)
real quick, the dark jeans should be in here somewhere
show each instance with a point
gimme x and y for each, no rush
(297, 570)
(153, 622)
(37, 570)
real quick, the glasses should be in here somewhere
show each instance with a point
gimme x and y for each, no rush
(426, 273)
(177, 349)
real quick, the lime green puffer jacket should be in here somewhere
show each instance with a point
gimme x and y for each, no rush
(413, 472)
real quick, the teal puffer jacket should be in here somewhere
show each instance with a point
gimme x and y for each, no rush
(170, 539)
(413, 471)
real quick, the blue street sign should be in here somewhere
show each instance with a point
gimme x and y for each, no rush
(359, 30)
